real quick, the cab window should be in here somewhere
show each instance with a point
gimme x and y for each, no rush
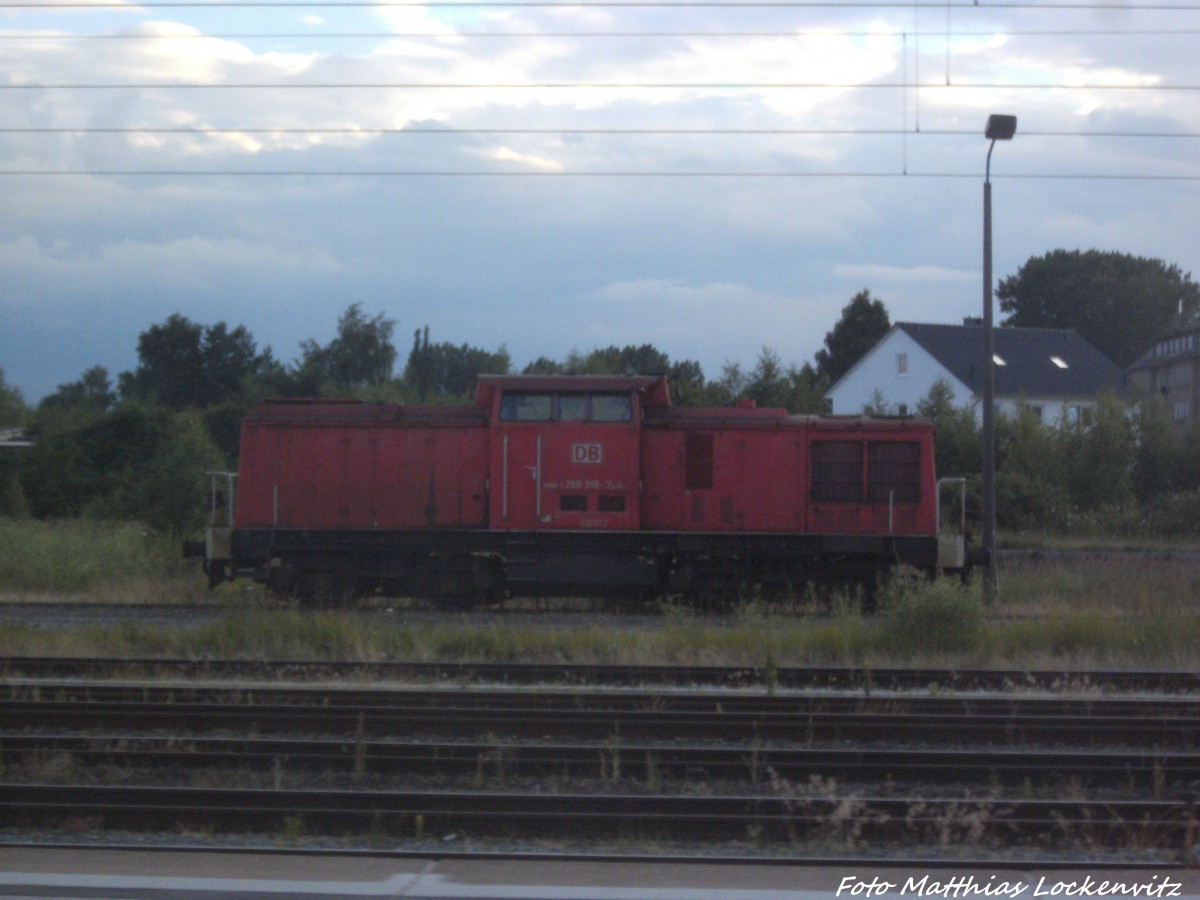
(572, 407)
(526, 407)
(611, 408)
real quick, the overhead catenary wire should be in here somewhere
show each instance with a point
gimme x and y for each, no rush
(550, 130)
(1031, 5)
(42, 36)
(583, 85)
(544, 174)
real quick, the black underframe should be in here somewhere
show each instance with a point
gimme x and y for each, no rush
(550, 561)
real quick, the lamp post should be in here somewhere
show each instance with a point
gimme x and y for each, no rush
(999, 128)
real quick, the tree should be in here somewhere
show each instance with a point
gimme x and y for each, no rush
(629, 360)
(93, 391)
(361, 355)
(13, 411)
(958, 448)
(1158, 462)
(686, 376)
(798, 390)
(13, 414)
(80, 469)
(1098, 457)
(447, 370)
(170, 490)
(543, 365)
(183, 364)
(1117, 302)
(864, 321)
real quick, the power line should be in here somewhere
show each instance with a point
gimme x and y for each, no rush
(1054, 5)
(592, 85)
(619, 132)
(457, 35)
(480, 173)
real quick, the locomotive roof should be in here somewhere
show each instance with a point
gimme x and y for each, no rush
(775, 417)
(337, 411)
(653, 388)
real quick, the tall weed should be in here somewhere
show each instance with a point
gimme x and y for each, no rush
(79, 555)
(930, 618)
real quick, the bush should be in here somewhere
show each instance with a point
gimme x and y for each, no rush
(1174, 515)
(937, 617)
(1023, 502)
(80, 556)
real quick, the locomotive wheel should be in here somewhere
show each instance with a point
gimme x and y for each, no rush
(714, 592)
(321, 589)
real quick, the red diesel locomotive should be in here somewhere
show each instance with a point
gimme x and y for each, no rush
(566, 485)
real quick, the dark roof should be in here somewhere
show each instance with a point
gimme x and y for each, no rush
(1028, 356)
(1183, 325)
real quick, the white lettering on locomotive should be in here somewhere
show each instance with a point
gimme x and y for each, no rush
(587, 454)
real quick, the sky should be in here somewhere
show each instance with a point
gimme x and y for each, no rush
(711, 178)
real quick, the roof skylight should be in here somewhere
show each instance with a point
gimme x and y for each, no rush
(998, 359)
(1059, 361)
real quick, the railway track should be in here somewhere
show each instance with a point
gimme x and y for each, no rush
(727, 817)
(600, 715)
(782, 678)
(1152, 772)
(740, 764)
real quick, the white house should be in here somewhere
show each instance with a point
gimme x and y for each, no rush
(1053, 371)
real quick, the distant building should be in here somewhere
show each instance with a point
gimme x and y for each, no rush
(1171, 369)
(15, 437)
(1052, 371)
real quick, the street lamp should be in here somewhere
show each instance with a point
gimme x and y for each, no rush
(999, 128)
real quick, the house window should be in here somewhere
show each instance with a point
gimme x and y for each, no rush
(1180, 411)
(1036, 411)
(901, 363)
(1078, 414)
(902, 409)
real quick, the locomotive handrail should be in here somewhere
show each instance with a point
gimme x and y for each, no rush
(219, 502)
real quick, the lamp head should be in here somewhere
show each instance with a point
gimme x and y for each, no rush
(1000, 128)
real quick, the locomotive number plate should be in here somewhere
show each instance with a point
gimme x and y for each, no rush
(588, 454)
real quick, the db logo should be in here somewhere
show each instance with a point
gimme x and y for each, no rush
(587, 453)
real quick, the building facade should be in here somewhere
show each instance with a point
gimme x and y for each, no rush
(1053, 372)
(1171, 369)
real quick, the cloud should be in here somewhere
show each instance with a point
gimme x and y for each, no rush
(531, 161)
(907, 276)
(757, 229)
(178, 265)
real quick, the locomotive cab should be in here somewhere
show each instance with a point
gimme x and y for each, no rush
(566, 451)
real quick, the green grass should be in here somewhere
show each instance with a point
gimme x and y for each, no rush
(1129, 613)
(109, 561)
(934, 626)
